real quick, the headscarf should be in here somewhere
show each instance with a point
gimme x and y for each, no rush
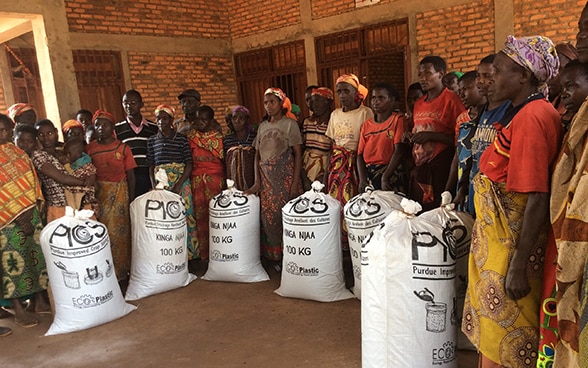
(17, 109)
(101, 114)
(286, 104)
(352, 79)
(245, 111)
(68, 125)
(165, 108)
(536, 54)
(458, 74)
(324, 92)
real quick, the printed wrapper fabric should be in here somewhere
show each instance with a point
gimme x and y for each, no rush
(20, 187)
(342, 182)
(114, 214)
(315, 164)
(276, 181)
(174, 172)
(207, 180)
(548, 314)
(503, 330)
(23, 268)
(240, 162)
(569, 217)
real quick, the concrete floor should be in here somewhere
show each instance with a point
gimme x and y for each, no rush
(206, 324)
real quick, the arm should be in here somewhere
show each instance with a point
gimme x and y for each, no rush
(152, 175)
(535, 216)
(257, 184)
(452, 179)
(131, 184)
(362, 173)
(294, 189)
(24, 221)
(52, 172)
(397, 157)
(326, 176)
(185, 176)
(425, 136)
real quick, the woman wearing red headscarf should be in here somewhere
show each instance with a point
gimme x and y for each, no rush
(116, 184)
(278, 162)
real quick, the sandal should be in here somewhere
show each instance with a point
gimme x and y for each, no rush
(4, 313)
(5, 331)
(27, 323)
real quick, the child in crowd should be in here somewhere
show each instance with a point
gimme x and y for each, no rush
(116, 184)
(206, 144)
(380, 151)
(25, 138)
(85, 117)
(80, 165)
(239, 150)
(278, 161)
(451, 81)
(574, 88)
(170, 151)
(435, 116)
(72, 129)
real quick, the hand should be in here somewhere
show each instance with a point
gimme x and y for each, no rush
(24, 221)
(253, 190)
(421, 137)
(362, 185)
(89, 181)
(516, 283)
(176, 188)
(294, 191)
(460, 197)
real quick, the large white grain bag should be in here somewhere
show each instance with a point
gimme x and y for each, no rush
(159, 260)
(81, 272)
(408, 311)
(459, 225)
(234, 237)
(363, 213)
(312, 263)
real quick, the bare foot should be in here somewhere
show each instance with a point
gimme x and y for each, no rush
(26, 320)
(41, 305)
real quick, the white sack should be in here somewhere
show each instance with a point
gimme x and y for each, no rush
(159, 260)
(312, 264)
(408, 311)
(363, 213)
(234, 237)
(460, 225)
(82, 276)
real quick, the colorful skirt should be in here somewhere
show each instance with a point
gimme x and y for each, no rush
(23, 269)
(315, 164)
(204, 187)
(504, 331)
(174, 173)
(114, 214)
(276, 180)
(428, 180)
(343, 182)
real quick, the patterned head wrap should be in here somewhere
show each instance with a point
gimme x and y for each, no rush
(352, 79)
(17, 109)
(165, 108)
(324, 92)
(241, 109)
(286, 104)
(101, 114)
(68, 125)
(536, 54)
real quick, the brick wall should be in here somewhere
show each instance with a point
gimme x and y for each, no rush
(161, 77)
(180, 18)
(327, 8)
(3, 106)
(248, 17)
(556, 19)
(461, 34)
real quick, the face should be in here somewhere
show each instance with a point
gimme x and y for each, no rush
(5, 132)
(26, 141)
(582, 37)
(381, 101)
(90, 134)
(132, 104)
(484, 78)
(164, 122)
(75, 132)
(103, 128)
(320, 105)
(85, 119)
(28, 117)
(450, 82)
(272, 104)
(47, 135)
(412, 97)
(308, 99)
(574, 89)
(203, 121)
(429, 78)
(239, 121)
(189, 105)
(346, 93)
(74, 152)
(505, 83)
(469, 93)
